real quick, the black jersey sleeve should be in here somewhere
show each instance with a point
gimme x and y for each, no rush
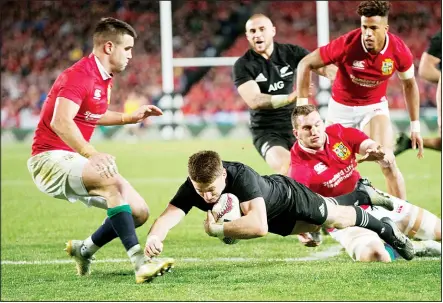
(298, 53)
(240, 73)
(184, 197)
(434, 48)
(246, 186)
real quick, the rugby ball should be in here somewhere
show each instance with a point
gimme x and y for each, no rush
(227, 209)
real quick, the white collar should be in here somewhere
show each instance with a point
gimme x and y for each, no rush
(313, 151)
(105, 75)
(384, 48)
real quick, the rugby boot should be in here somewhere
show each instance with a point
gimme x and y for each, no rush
(83, 264)
(399, 241)
(377, 197)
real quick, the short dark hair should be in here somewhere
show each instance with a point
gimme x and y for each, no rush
(111, 29)
(302, 110)
(205, 166)
(373, 8)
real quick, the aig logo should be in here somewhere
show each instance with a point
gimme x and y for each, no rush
(276, 86)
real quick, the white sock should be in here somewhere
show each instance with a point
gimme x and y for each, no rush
(88, 248)
(136, 255)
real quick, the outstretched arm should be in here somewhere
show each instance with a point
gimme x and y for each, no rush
(171, 216)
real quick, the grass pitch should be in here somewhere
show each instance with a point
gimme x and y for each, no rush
(35, 227)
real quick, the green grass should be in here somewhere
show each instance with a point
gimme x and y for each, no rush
(34, 227)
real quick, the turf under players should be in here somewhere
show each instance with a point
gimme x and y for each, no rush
(66, 166)
(275, 204)
(324, 159)
(366, 58)
(264, 77)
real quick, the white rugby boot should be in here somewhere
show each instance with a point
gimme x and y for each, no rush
(83, 264)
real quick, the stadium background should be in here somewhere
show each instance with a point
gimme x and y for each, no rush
(41, 38)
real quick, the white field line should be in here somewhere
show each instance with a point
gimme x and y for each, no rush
(165, 180)
(322, 255)
(326, 254)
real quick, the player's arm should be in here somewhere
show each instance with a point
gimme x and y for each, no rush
(117, 118)
(252, 224)
(63, 125)
(329, 71)
(428, 67)
(170, 217)
(412, 98)
(310, 62)
(250, 93)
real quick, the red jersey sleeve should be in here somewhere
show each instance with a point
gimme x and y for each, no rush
(75, 87)
(404, 56)
(333, 51)
(354, 137)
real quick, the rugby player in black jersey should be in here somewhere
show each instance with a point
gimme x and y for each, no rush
(264, 77)
(275, 204)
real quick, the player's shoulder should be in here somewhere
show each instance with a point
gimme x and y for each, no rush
(335, 130)
(245, 59)
(397, 44)
(81, 71)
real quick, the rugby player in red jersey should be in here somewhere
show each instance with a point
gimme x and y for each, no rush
(324, 160)
(366, 58)
(64, 164)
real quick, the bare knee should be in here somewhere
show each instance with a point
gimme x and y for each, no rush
(140, 213)
(370, 255)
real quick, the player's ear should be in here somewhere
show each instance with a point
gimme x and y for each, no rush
(273, 31)
(387, 27)
(108, 47)
(224, 174)
(294, 131)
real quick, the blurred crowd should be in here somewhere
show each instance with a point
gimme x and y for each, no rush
(42, 38)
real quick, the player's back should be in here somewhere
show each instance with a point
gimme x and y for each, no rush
(362, 77)
(80, 83)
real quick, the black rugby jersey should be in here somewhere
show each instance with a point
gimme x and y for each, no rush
(274, 77)
(278, 191)
(435, 47)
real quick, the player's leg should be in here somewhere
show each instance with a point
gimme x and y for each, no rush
(106, 232)
(273, 147)
(361, 244)
(379, 129)
(115, 190)
(337, 212)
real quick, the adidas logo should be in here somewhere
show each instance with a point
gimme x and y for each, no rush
(261, 78)
(322, 209)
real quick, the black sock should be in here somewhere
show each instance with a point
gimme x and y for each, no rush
(357, 198)
(366, 220)
(104, 234)
(123, 225)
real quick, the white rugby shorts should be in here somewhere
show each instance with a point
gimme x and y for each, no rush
(58, 173)
(355, 116)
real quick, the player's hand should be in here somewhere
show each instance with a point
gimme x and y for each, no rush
(212, 228)
(144, 112)
(376, 154)
(417, 141)
(153, 246)
(104, 164)
(292, 96)
(307, 240)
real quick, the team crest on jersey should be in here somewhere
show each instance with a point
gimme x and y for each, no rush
(387, 66)
(341, 150)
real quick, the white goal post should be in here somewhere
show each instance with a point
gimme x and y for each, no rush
(169, 62)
